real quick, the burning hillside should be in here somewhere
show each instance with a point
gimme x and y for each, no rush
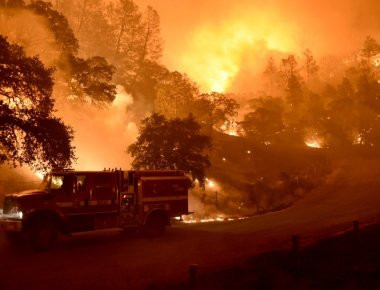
(248, 122)
(286, 97)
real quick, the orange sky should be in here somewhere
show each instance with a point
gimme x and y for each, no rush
(215, 42)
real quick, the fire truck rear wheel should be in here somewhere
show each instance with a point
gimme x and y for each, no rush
(43, 233)
(154, 226)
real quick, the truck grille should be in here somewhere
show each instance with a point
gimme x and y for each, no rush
(8, 204)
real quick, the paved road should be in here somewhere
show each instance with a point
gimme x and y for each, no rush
(114, 260)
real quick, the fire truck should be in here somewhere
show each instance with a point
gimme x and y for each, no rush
(75, 201)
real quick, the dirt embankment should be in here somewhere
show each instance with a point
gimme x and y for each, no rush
(349, 261)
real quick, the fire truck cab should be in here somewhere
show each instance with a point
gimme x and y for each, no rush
(75, 201)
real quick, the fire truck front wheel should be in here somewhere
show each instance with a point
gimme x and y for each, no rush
(14, 238)
(43, 233)
(155, 224)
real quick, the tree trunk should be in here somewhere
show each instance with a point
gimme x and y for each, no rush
(122, 28)
(144, 50)
(82, 16)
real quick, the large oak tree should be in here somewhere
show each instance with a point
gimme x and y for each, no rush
(171, 144)
(29, 133)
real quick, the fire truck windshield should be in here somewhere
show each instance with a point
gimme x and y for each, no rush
(44, 183)
(51, 182)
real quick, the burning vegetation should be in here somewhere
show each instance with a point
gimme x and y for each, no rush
(242, 123)
(255, 119)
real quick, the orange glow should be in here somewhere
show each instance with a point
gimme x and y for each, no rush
(211, 183)
(215, 54)
(314, 142)
(358, 139)
(101, 135)
(232, 133)
(376, 60)
(190, 219)
(229, 128)
(39, 174)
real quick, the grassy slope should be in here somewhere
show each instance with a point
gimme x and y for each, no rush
(351, 192)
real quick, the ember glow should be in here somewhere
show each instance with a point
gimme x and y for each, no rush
(230, 128)
(40, 175)
(314, 142)
(191, 219)
(210, 183)
(359, 139)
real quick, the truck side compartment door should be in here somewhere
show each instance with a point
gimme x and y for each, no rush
(104, 201)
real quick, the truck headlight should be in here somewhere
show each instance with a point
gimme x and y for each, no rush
(15, 212)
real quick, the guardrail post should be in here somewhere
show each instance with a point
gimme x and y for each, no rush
(295, 252)
(355, 225)
(216, 200)
(295, 244)
(193, 269)
(356, 240)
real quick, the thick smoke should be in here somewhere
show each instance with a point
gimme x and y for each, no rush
(223, 45)
(29, 30)
(101, 134)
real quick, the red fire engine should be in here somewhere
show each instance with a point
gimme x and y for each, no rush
(74, 201)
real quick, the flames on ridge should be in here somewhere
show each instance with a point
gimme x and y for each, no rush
(216, 53)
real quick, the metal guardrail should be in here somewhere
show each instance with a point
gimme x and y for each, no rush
(295, 243)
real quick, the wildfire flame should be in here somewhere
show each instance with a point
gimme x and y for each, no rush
(232, 133)
(191, 219)
(210, 183)
(358, 139)
(40, 175)
(215, 53)
(229, 127)
(314, 142)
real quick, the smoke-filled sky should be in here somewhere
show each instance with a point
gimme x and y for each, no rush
(220, 44)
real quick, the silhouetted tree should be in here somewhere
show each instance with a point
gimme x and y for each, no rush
(58, 25)
(271, 74)
(12, 3)
(136, 40)
(215, 109)
(130, 40)
(288, 69)
(264, 124)
(29, 133)
(370, 48)
(342, 122)
(151, 46)
(92, 79)
(367, 97)
(146, 85)
(89, 21)
(310, 66)
(171, 144)
(294, 93)
(87, 78)
(174, 95)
